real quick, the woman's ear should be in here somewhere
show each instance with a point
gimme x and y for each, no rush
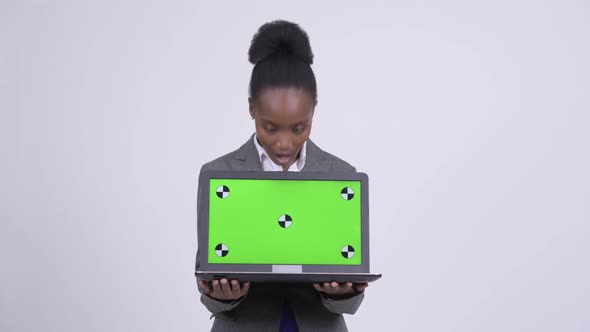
(251, 107)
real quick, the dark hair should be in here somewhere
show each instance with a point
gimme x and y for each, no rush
(282, 57)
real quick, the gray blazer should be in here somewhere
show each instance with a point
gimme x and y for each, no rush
(260, 309)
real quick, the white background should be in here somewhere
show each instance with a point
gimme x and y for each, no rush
(471, 119)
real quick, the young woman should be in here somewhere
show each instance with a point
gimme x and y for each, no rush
(282, 100)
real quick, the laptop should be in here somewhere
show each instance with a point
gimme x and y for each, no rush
(284, 226)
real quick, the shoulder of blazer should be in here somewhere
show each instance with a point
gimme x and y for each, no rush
(318, 160)
(245, 158)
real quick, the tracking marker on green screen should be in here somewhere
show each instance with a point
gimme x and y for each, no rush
(285, 221)
(221, 250)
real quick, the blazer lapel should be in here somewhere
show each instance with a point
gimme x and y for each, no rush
(315, 160)
(246, 157)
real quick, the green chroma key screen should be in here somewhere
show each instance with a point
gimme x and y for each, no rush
(256, 221)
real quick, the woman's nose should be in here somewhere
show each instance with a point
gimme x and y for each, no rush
(283, 142)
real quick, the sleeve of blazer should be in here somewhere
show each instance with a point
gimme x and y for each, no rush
(345, 306)
(213, 305)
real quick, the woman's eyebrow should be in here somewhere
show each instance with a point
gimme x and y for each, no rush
(269, 124)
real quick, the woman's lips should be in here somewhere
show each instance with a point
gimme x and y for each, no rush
(283, 159)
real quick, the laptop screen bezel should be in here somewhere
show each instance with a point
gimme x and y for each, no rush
(203, 217)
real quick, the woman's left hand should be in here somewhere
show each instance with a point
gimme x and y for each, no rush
(342, 290)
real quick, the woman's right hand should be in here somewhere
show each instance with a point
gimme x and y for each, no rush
(223, 289)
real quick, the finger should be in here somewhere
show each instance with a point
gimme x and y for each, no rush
(326, 285)
(226, 288)
(361, 287)
(229, 291)
(235, 287)
(205, 288)
(317, 286)
(216, 288)
(334, 284)
(245, 288)
(345, 287)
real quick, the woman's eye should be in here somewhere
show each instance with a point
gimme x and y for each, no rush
(270, 129)
(298, 129)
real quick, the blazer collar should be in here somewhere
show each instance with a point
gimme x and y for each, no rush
(246, 157)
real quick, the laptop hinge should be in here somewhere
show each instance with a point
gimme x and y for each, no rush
(287, 269)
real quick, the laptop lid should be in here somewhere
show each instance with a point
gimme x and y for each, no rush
(283, 222)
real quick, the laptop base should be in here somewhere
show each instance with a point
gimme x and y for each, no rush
(288, 277)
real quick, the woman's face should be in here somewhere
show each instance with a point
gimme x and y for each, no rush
(283, 122)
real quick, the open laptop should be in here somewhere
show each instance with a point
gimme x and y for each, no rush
(284, 226)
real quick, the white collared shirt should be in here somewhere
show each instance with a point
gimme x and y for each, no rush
(269, 165)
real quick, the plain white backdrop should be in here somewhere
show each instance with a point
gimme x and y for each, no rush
(471, 119)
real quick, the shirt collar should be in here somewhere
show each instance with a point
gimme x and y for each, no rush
(269, 165)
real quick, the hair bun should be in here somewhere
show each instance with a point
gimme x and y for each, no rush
(280, 38)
